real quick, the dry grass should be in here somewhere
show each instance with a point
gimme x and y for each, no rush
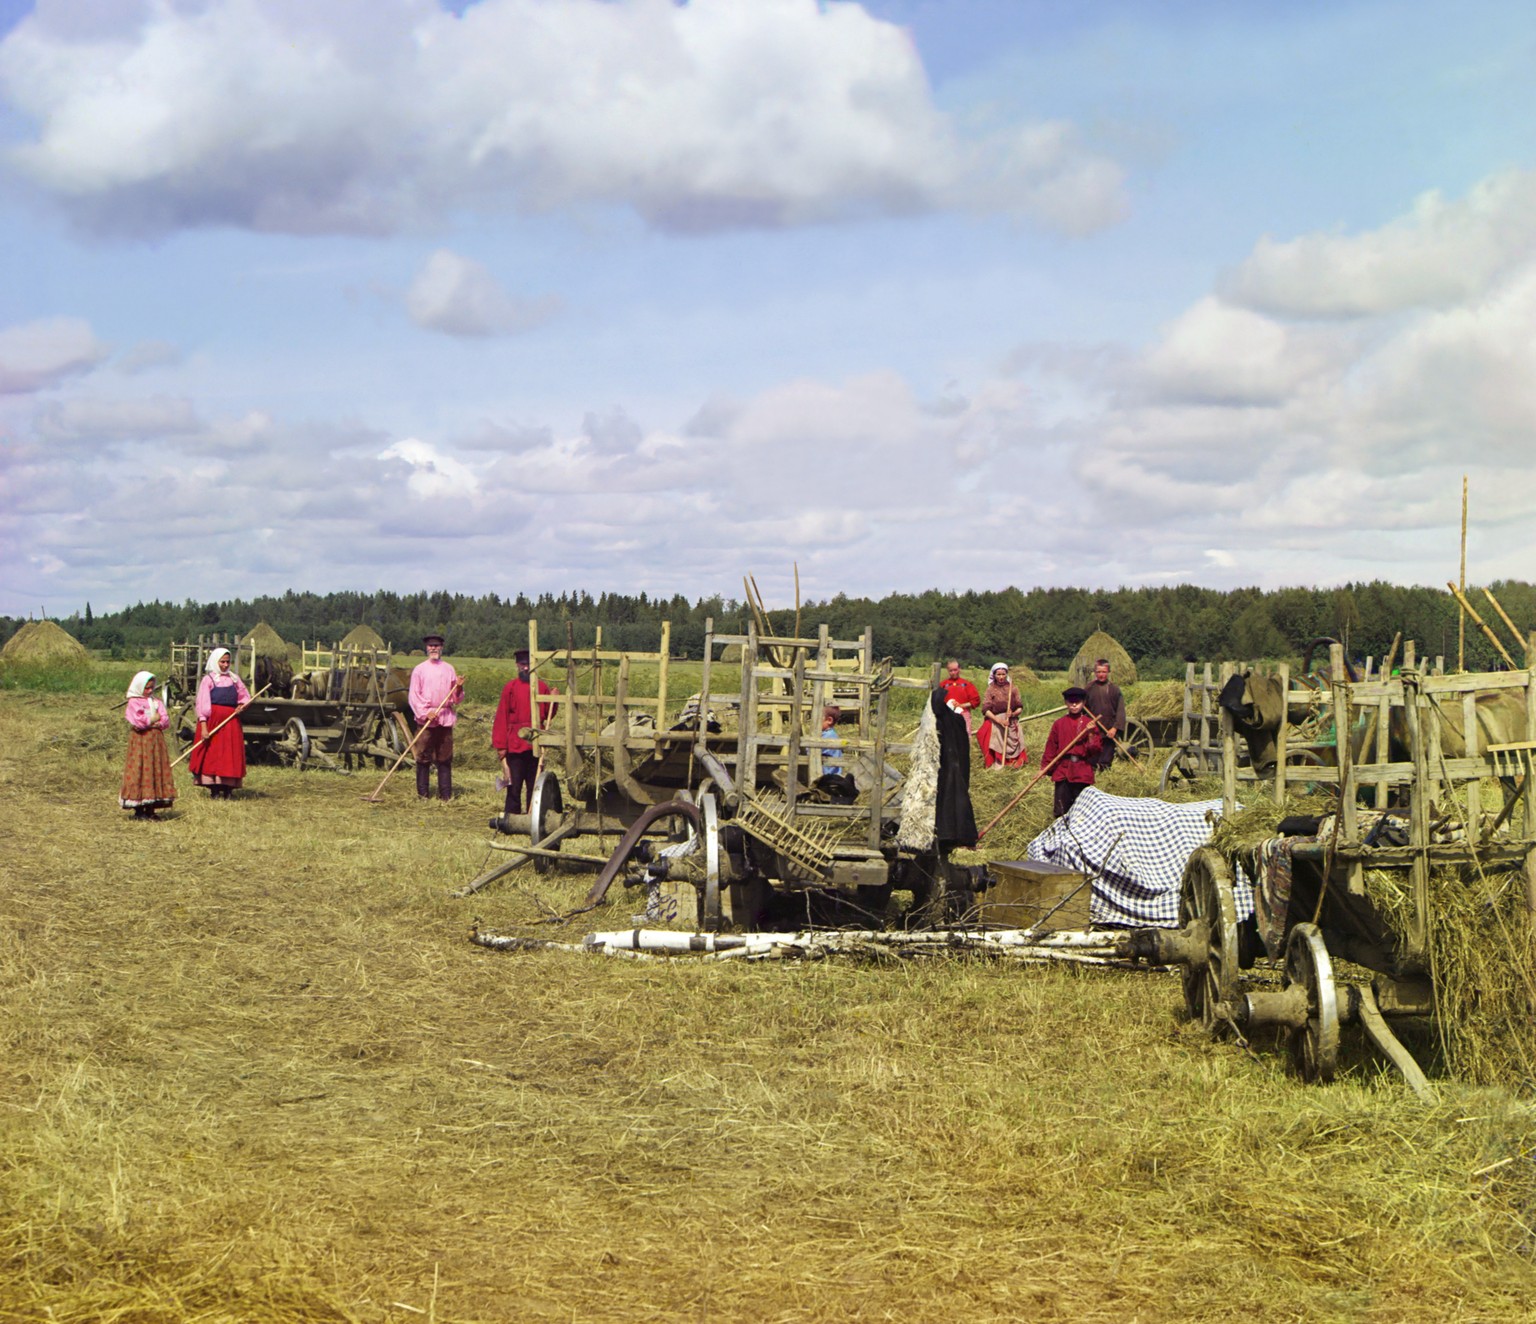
(254, 1071)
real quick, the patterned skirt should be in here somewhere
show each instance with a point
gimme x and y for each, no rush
(147, 779)
(219, 761)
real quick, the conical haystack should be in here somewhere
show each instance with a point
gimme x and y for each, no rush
(363, 636)
(268, 642)
(43, 641)
(1102, 644)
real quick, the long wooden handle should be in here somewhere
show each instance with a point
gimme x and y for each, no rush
(203, 740)
(456, 687)
(1043, 772)
(1481, 625)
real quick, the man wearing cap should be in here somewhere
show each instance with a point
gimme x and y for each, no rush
(1106, 703)
(511, 733)
(1072, 746)
(434, 694)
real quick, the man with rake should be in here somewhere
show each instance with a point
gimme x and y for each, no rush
(434, 695)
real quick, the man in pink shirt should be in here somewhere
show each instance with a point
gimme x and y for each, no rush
(435, 692)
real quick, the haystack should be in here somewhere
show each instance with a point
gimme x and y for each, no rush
(363, 636)
(1102, 644)
(43, 642)
(267, 641)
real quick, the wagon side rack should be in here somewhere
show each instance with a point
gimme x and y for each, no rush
(1339, 919)
(745, 752)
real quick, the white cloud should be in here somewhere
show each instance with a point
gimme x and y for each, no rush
(431, 473)
(357, 116)
(37, 355)
(459, 297)
(1438, 255)
(1219, 353)
(88, 419)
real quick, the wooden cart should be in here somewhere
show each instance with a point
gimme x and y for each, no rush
(732, 779)
(346, 705)
(1425, 795)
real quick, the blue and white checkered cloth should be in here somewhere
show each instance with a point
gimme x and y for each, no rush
(1134, 850)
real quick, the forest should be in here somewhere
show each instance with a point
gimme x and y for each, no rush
(1159, 627)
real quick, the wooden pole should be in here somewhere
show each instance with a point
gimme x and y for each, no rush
(1471, 611)
(1504, 616)
(456, 688)
(1043, 772)
(1461, 632)
(205, 739)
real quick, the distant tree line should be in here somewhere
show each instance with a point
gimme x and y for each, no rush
(1159, 627)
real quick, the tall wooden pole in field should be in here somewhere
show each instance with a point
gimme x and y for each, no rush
(1461, 631)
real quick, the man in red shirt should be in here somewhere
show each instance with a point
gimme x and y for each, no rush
(961, 692)
(510, 732)
(1076, 751)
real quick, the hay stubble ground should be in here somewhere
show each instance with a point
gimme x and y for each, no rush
(253, 1069)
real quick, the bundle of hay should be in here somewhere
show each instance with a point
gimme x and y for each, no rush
(267, 641)
(43, 643)
(1018, 672)
(1101, 644)
(363, 636)
(1159, 700)
(1482, 958)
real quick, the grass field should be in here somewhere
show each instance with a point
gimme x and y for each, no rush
(252, 1069)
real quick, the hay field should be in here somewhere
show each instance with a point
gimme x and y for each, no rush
(253, 1070)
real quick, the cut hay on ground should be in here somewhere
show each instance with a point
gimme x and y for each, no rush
(267, 641)
(43, 642)
(255, 1071)
(363, 636)
(1102, 644)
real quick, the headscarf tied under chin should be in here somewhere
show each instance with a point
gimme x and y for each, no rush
(139, 684)
(996, 667)
(211, 666)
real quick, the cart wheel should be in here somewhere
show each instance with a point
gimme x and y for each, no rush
(184, 726)
(1135, 742)
(544, 804)
(294, 746)
(709, 917)
(1315, 1045)
(1206, 902)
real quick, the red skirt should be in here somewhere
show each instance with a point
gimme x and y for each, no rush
(147, 779)
(219, 761)
(997, 748)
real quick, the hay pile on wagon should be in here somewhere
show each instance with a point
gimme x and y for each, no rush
(42, 643)
(1102, 644)
(1157, 701)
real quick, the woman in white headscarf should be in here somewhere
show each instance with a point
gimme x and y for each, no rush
(1001, 734)
(218, 754)
(147, 781)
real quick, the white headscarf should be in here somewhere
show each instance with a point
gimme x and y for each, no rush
(212, 665)
(996, 667)
(139, 684)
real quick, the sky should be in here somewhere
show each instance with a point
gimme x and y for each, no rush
(516, 296)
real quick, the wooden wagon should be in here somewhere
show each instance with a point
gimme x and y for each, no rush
(1358, 889)
(727, 790)
(345, 706)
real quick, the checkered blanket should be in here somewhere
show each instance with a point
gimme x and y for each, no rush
(1134, 850)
